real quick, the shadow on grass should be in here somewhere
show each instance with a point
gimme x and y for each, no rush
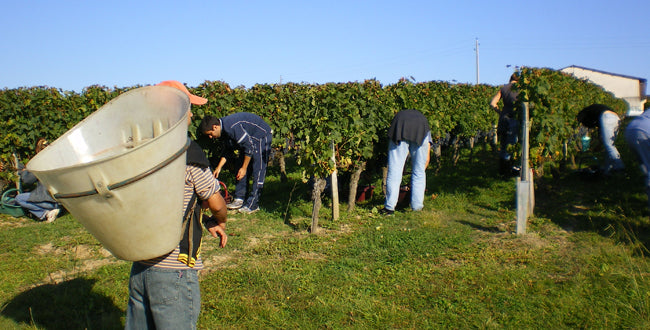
(68, 305)
(614, 207)
(488, 229)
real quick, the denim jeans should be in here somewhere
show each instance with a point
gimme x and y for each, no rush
(608, 129)
(162, 298)
(639, 141)
(37, 209)
(397, 154)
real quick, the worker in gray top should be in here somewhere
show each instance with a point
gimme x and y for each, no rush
(508, 126)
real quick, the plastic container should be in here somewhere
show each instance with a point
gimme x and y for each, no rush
(120, 172)
(586, 141)
(364, 193)
(8, 204)
(404, 196)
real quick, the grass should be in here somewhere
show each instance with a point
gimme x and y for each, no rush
(456, 264)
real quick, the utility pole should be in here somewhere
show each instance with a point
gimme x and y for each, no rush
(477, 70)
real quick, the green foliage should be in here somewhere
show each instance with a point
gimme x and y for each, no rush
(555, 98)
(27, 114)
(307, 119)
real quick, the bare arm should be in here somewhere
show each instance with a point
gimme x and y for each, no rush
(428, 155)
(495, 101)
(217, 170)
(217, 224)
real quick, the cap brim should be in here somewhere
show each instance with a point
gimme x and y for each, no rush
(197, 100)
(178, 85)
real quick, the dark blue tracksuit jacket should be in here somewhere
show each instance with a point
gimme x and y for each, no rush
(250, 133)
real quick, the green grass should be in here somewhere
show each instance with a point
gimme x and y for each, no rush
(456, 264)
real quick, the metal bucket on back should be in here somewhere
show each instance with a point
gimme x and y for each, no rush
(120, 172)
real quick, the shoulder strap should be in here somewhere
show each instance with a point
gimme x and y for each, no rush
(190, 243)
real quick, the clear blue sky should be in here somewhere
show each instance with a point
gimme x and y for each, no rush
(75, 44)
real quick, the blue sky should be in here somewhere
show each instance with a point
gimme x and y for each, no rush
(75, 44)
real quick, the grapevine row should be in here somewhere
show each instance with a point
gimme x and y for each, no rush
(308, 118)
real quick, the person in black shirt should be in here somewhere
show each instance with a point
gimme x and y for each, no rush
(409, 134)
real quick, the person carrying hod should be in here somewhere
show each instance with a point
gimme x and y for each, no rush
(164, 292)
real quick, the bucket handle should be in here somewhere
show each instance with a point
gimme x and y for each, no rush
(127, 181)
(6, 196)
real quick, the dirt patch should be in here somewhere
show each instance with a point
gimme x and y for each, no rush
(85, 266)
(47, 249)
(85, 258)
(346, 228)
(253, 241)
(310, 256)
(105, 253)
(530, 241)
(82, 251)
(534, 241)
(215, 262)
(7, 221)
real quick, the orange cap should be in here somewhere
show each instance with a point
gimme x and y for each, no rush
(193, 98)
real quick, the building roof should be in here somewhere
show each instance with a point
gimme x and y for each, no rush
(604, 72)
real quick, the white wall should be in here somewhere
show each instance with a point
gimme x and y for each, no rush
(626, 88)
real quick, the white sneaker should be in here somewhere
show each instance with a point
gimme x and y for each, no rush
(51, 215)
(237, 203)
(246, 210)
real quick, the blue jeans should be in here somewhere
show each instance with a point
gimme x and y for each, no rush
(163, 298)
(609, 122)
(37, 209)
(397, 154)
(639, 141)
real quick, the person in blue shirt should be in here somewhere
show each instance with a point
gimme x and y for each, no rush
(637, 135)
(250, 134)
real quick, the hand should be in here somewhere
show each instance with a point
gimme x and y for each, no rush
(241, 173)
(216, 173)
(220, 232)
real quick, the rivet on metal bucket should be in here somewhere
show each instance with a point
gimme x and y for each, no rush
(102, 189)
